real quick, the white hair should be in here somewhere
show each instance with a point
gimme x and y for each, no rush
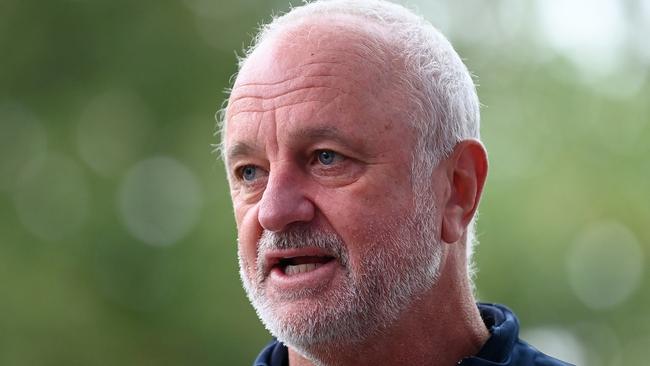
(443, 104)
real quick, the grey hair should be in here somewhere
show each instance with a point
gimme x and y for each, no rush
(443, 104)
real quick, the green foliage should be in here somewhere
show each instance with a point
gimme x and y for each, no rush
(90, 88)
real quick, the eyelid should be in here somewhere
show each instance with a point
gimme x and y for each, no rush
(337, 166)
(238, 169)
(337, 155)
(238, 172)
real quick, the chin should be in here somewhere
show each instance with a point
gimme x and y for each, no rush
(315, 320)
(315, 329)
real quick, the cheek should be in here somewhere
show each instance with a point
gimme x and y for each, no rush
(382, 200)
(366, 217)
(365, 236)
(248, 233)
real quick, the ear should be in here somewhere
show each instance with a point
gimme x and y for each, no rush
(466, 172)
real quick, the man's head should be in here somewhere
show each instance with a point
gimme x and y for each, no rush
(345, 139)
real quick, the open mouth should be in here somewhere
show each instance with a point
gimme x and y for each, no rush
(297, 269)
(302, 264)
(291, 265)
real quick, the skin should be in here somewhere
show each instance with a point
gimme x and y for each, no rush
(313, 88)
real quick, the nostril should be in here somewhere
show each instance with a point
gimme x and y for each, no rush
(282, 205)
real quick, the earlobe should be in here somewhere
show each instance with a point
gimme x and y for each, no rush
(451, 230)
(467, 170)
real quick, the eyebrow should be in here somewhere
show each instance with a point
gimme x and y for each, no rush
(240, 149)
(307, 134)
(323, 133)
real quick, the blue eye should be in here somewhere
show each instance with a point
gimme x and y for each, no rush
(249, 172)
(326, 157)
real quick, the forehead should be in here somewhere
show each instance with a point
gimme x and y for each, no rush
(316, 76)
(290, 51)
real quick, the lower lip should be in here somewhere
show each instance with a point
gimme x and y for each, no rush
(318, 277)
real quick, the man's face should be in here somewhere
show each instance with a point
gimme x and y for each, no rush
(319, 162)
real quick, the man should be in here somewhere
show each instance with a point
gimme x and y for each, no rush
(351, 141)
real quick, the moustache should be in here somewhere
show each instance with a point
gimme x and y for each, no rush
(301, 237)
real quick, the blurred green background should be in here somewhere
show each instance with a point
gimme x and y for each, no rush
(117, 243)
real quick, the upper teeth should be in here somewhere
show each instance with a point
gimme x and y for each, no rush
(300, 268)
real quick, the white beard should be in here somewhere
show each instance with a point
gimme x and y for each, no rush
(394, 271)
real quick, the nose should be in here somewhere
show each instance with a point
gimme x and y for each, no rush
(283, 201)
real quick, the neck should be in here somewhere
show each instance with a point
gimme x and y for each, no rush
(440, 328)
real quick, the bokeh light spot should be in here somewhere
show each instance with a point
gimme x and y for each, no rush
(594, 36)
(112, 129)
(605, 264)
(586, 31)
(53, 201)
(556, 342)
(602, 342)
(642, 33)
(159, 200)
(22, 141)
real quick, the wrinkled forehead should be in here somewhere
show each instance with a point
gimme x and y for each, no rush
(344, 66)
(316, 48)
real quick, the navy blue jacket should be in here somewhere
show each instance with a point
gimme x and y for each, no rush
(503, 348)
